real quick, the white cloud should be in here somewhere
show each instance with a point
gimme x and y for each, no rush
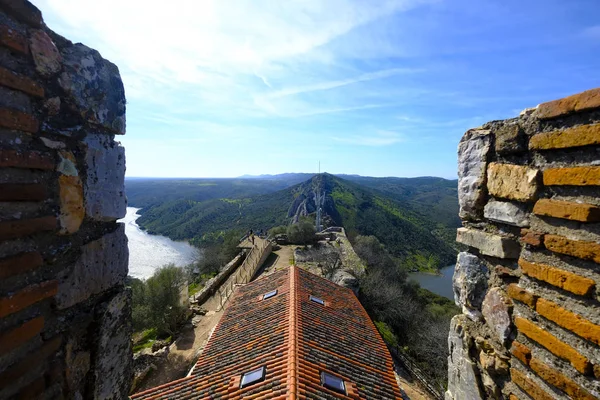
(377, 139)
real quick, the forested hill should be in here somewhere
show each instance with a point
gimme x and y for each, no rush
(410, 217)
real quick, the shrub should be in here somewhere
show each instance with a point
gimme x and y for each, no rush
(301, 233)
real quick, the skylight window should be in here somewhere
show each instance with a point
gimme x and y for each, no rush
(270, 294)
(317, 300)
(333, 382)
(254, 376)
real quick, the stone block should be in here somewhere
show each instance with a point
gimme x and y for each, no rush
(17, 120)
(13, 40)
(112, 364)
(25, 227)
(71, 204)
(553, 344)
(26, 159)
(518, 293)
(522, 352)
(515, 182)
(24, 11)
(18, 264)
(23, 192)
(532, 238)
(572, 176)
(16, 337)
(104, 190)
(19, 82)
(565, 280)
(575, 103)
(506, 212)
(473, 151)
(567, 210)
(488, 244)
(559, 380)
(496, 310)
(46, 56)
(577, 248)
(528, 386)
(584, 135)
(94, 86)
(102, 265)
(470, 281)
(463, 381)
(509, 139)
(569, 320)
(25, 297)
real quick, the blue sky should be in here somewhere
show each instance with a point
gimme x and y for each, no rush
(381, 88)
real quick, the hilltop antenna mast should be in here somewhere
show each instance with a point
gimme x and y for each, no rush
(319, 202)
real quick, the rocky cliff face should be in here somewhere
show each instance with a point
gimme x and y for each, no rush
(528, 285)
(65, 318)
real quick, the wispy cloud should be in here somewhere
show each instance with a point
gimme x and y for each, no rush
(376, 139)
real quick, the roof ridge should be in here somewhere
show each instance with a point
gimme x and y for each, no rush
(293, 336)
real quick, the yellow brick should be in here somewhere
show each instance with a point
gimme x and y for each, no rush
(559, 381)
(567, 210)
(573, 176)
(529, 386)
(576, 248)
(553, 344)
(574, 137)
(568, 320)
(560, 278)
(518, 293)
(511, 181)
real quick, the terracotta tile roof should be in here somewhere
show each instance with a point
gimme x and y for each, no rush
(295, 339)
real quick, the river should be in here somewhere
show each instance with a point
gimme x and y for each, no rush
(148, 252)
(438, 284)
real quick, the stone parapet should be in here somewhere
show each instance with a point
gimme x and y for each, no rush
(528, 284)
(65, 313)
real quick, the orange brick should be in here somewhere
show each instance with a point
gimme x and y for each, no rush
(521, 351)
(583, 135)
(567, 210)
(22, 192)
(19, 82)
(559, 381)
(25, 227)
(573, 176)
(13, 40)
(532, 238)
(522, 295)
(512, 397)
(17, 120)
(26, 159)
(20, 335)
(26, 297)
(529, 386)
(36, 357)
(560, 278)
(597, 371)
(568, 320)
(553, 344)
(15, 265)
(33, 390)
(575, 103)
(576, 248)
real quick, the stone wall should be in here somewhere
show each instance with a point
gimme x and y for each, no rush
(64, 310)
(529, 284)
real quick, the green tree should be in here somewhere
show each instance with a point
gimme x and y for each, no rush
(301, 233)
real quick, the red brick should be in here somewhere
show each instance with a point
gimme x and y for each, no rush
(575, 103)
(25, 227)
(567, 210)
(19, 82)
(22, 192)
(576, 248)
(559, 381)
(26, 297)
(12, 373)
(518, 293)
(15, 265)
(16, 337)
(17, 120)
(565, 280)
(573, 176)
(521, 351)
(24, 11)
(568, 320)
(26, 159)
(13, 40)
(553, 344)
(532, 238)
(529, 386)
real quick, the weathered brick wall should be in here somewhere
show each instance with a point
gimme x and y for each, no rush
(64, 310)
(529, 284)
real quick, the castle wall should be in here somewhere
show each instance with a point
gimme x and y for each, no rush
(64, 310)
(529, 283)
